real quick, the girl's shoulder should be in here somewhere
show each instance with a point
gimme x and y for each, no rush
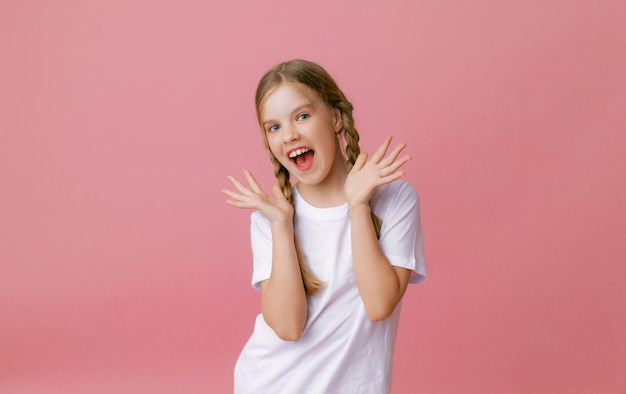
(396, 190)
(399, 194)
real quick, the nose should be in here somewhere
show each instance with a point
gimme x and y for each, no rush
(290, 133)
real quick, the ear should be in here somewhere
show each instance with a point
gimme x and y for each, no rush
(337, 120)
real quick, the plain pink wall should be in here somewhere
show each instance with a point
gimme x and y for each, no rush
(122, 269)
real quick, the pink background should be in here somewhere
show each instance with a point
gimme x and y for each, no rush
(122, 270)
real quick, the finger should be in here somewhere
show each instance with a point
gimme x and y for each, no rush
(234, 196)
(380, 153)
(241, 201)
(239, 185)
(241, 204)
(392, 156)
(390, 178)
(254, 185)
(393, 167)
(360, 161)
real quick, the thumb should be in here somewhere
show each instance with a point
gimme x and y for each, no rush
(360, 161)
(278, 193)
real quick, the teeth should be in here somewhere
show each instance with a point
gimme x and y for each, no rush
(298, 152)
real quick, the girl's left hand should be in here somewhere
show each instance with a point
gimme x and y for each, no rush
(366, 175)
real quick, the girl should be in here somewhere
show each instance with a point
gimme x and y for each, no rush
(332, 254)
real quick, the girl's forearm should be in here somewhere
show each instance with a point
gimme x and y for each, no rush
(283, 299)
(380, 285)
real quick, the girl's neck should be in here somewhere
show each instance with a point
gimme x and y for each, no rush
(329, 192)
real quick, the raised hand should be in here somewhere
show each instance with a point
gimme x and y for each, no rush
(277, 209)
(366, 175)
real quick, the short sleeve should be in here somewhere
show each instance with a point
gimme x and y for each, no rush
(261, 241)
(401, 232)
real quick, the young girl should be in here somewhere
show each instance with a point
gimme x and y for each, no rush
(332, 254)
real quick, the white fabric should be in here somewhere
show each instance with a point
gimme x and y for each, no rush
(340, 350)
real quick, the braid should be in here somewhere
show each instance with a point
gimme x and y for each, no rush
(282, 175)
(312, 285)
(352, 148)
(350, 134)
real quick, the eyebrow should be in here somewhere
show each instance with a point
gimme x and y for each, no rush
(295, 110)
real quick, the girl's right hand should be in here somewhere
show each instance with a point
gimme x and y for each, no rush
(277, 209)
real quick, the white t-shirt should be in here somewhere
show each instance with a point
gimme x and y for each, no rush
(340, 350)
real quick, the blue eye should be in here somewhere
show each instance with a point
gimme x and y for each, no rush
(303, 116)
(273, 128)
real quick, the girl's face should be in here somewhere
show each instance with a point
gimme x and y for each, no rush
(301, 131)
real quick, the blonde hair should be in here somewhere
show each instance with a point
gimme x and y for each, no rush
(316, 78)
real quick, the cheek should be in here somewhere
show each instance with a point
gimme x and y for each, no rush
(273, 148)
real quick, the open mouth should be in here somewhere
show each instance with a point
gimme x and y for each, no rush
(302, 157)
